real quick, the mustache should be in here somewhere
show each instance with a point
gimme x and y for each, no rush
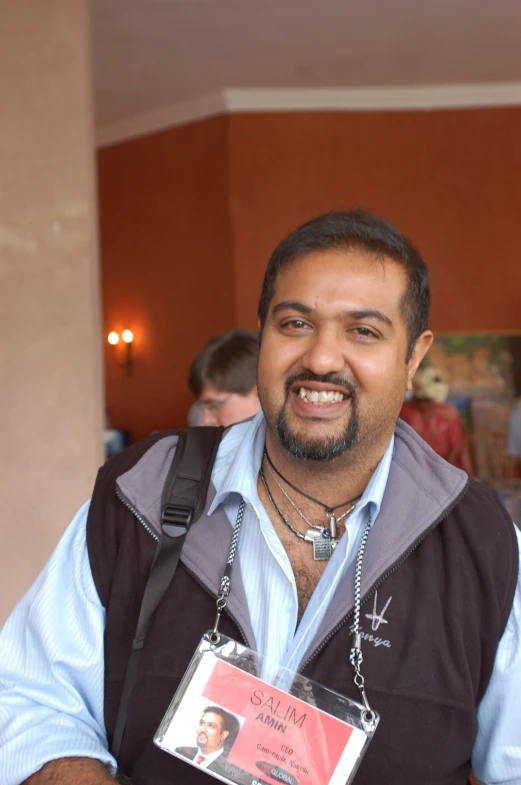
(328, 378)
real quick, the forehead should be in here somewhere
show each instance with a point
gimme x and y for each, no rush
(340, 279)
(210, 716)
(212, 393)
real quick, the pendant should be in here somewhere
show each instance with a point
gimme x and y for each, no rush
(321, 548)
(332, 525)
(322, 543)
(312, 533)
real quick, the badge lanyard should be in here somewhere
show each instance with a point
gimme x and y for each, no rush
(355, 654)
(305, 735)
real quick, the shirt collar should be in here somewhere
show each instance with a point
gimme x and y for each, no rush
(239, 460)
(210, 757)
(375, 488)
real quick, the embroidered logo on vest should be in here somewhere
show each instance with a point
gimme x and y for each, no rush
(378, 618)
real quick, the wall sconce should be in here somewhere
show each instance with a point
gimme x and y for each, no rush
(127, 337)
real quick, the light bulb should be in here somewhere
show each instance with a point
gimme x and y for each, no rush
(113, 338)
(128, 336)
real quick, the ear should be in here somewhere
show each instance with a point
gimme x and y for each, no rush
(422, 346)
(225, 734)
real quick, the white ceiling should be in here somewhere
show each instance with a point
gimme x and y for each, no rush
(153, 54)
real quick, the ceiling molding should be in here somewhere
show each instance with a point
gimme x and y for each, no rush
(167, 117)
(318, 99)
(374, 98)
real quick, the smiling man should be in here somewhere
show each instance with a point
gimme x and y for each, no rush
(325, 471)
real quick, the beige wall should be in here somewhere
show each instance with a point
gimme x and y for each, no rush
(50, 382)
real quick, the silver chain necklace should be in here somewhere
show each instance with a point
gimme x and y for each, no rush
(323, 543)
(355, 653)
(333, 520)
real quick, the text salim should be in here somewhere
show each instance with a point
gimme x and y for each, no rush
(274, 713)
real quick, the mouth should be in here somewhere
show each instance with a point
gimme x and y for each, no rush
(202, 737)
(317, 399)
(320, 397)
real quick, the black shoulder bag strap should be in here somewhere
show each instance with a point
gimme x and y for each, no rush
(182, 503)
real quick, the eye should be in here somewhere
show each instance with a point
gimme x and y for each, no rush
(365, 332)
(294, 324)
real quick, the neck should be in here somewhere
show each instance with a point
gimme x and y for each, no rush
(205, 751)
(330, 481)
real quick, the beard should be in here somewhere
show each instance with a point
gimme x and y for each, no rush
(314, 449)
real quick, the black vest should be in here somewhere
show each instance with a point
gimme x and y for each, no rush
(427, 660)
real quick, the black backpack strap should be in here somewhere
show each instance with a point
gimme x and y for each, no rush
(182, 503)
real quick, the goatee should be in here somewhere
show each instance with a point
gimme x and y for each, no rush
(319, 449)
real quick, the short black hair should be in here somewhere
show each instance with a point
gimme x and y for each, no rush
(361, 231)
(229, 362)
(230, 722)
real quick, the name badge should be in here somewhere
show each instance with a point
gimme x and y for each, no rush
(247, 730)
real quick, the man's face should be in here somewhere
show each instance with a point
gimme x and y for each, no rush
(210, 734)
(332, 372)
(219, 407)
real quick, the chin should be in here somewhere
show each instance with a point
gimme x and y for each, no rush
(322, 446)
(318, 449)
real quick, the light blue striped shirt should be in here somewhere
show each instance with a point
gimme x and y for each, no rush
(51, 648)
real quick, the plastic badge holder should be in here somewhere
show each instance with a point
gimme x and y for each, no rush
(284, 728)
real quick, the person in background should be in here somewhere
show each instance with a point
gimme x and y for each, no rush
(223, 379)
(439, 423)
(514, 429)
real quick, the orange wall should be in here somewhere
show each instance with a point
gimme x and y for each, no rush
(451, 180)
(190, 216)
(166, 265)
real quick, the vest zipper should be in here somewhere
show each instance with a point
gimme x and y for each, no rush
(147, 528)
(383, 577)
(136, 514)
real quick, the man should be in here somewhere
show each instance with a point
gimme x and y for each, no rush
(215, 728)
(223, 379)
(343, 317)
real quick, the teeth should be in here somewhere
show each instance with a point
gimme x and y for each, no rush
(324, 396)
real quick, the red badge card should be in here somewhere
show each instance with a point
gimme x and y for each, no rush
(246, 731)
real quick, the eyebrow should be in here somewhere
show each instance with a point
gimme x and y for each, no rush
(292, 305)
(360, 314)
(369, 313)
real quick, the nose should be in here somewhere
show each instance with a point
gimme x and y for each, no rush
(209, 418)
(324, 353)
